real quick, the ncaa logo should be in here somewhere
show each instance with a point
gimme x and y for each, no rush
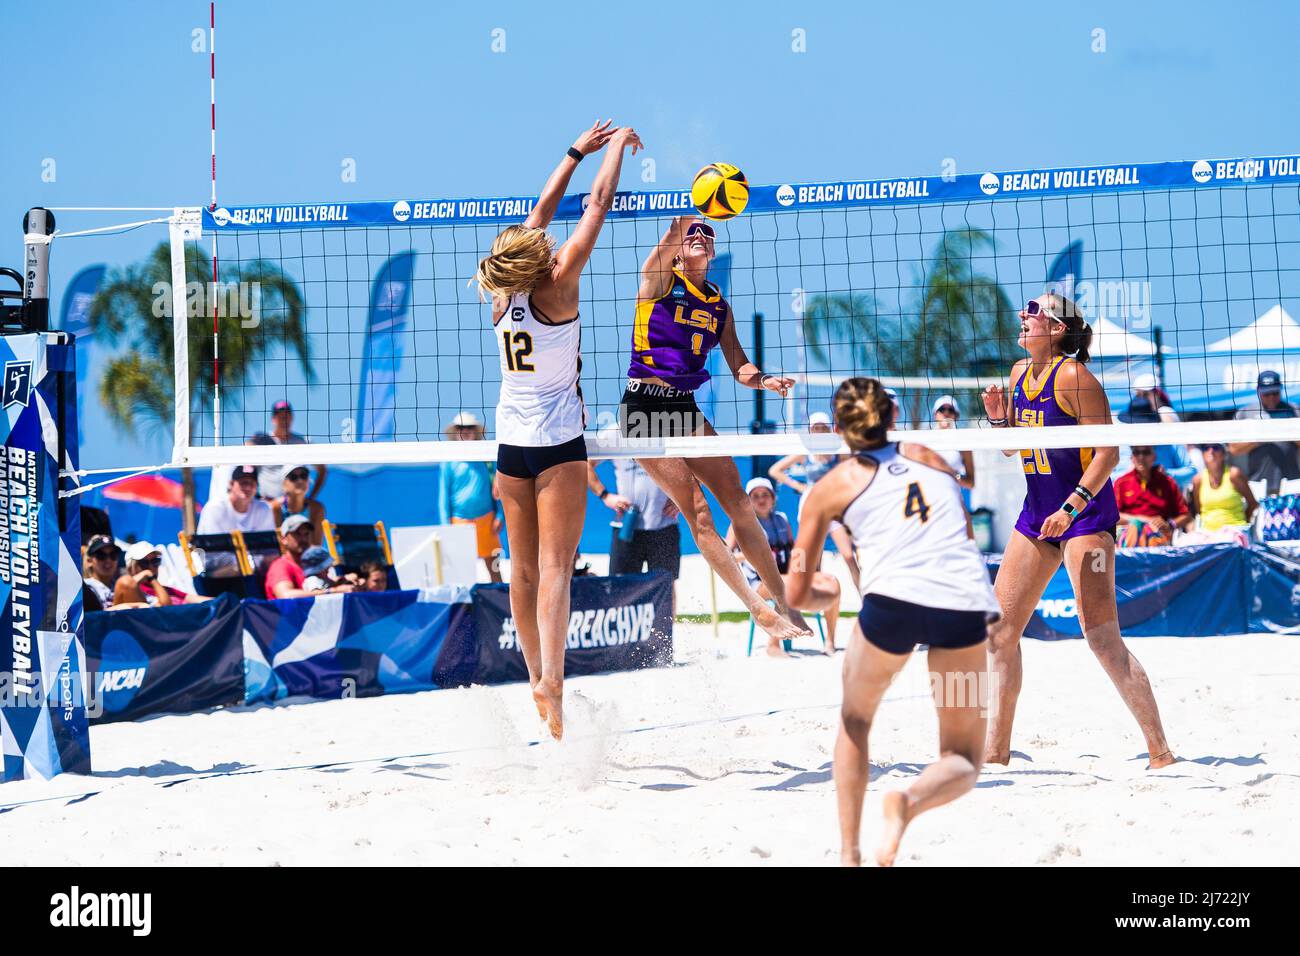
(401, 210)
(1201, 171)
(18, 383)
(989, 184)
(785, 195)
(221, 216)
(586, 201)
(123, 665)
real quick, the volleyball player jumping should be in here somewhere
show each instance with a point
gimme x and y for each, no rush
(923, 582)
(542, 456)
(1069, 513)
(680, 316)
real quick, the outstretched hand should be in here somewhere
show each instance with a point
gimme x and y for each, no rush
(594, 139)
(776, 383)
(995, 402)
(626, 136)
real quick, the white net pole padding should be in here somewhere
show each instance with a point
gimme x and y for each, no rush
(184, 226)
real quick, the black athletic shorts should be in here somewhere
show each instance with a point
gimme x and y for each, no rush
(1110, 531)
(660, 550)
(898, 626)
(527, 461)
(658, 411)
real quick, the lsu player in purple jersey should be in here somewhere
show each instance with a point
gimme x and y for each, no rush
(1069, 514)
(680, 316)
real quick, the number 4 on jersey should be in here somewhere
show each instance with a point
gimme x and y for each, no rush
(916, 503)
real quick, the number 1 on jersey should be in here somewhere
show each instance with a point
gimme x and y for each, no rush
(916, 503)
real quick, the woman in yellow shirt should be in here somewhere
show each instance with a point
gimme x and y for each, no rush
(1223, 500)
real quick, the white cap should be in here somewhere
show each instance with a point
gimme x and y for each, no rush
(754, 483)
(819, 418)
(141, 550)
(292, 523)
(466, 420)
(1145, 382)
(943, 400)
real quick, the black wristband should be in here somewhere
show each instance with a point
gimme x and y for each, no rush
(1083, 493)
(575, 155)
(604, 494)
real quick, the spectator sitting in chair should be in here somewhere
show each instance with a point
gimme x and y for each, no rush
(1151, 507)
(239, 509)
(140, 584)
(825, 594)
(468, 494)
(318, 565)
(1221, 495)
(374, 576)
(294, 501)
(1269, 461)
(101, 574)
(285, 578)
(282, 433)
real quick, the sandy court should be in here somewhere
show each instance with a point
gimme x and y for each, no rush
(717, 760)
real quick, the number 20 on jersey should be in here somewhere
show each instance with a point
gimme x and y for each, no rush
(1033, 460)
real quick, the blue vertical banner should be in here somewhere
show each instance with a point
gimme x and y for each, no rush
(390, 302)
(75, 320)
(1066, 271)
(707, 396)
(42, 653)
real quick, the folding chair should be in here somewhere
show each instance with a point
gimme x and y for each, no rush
(786, 644)
(351, 545)
(208, 555)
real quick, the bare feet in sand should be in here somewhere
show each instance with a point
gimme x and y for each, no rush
(776, 626)
(829, 649)
(548, 695)
(851, 857)
(1165, 759)
(895, 811)
(776, 649)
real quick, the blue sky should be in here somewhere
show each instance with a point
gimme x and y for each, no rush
(414, 94)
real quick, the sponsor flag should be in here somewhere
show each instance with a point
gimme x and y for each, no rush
(707, 397)
(1067, 270)
(75, 318)
(390, 301)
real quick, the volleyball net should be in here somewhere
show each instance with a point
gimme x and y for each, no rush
(360, 315)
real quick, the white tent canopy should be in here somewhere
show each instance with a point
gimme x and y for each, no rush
(1111, 341)
(1274, 331)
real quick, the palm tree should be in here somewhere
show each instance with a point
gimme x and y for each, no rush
(134, 304)
(957, 325)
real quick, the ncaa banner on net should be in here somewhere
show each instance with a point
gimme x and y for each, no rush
(42, 672)
(783, 197)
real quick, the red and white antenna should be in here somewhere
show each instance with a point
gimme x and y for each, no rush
(216, 345)
(212, 86)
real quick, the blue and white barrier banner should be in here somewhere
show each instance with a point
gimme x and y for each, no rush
(165, 660)
(350, 645)
(1174, 592)
(1275, 590)
(42, 676)
(783, 197)
(615, 624)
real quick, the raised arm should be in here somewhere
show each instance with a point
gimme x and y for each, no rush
(589, 142)
(746, 372)
(573, 255)
(657, 270)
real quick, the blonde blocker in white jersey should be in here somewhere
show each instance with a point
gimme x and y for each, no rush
(540, 412)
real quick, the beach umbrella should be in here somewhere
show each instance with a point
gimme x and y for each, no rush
(157, 491)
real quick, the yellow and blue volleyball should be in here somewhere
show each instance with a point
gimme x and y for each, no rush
(720, 191)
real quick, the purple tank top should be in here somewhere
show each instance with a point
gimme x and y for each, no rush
(1051, 474)
(672, 335)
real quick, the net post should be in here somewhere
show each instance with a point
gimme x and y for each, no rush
(38, 230)
(43, 679)
(185, 225)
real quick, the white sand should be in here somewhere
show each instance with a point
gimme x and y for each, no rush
(720, 760)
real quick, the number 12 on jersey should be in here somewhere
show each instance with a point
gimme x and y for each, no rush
(1033, 460)
(519, 345)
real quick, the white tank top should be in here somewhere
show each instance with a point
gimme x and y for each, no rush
(541, 399)
(909, 528)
